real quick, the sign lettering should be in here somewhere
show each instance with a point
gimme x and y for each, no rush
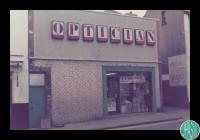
(88, 32)
(139, 37)
(57, 30)
(128, 36)
(115, 34)
(150, 35)
(102, 33)
(73, 31)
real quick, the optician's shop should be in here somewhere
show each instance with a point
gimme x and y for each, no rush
(87, 65)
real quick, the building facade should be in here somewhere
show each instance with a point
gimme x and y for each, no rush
(87, 65)
(19, 82)
(174, 53)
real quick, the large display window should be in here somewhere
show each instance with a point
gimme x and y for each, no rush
(129, 92)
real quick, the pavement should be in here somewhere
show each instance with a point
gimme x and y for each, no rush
(125, 120)
(164, 125)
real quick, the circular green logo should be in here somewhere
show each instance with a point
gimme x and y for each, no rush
(189, 130)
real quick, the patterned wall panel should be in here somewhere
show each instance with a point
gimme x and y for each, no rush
(76, 91)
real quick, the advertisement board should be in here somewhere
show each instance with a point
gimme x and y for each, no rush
(177, 70)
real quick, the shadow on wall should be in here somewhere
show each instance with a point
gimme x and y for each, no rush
(175, 96)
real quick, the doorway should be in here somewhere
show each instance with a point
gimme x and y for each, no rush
(113, 95)
(37, 99)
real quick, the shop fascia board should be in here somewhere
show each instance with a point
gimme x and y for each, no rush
(66, 59)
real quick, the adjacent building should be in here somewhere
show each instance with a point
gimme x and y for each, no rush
(19, 81)
(174, 53)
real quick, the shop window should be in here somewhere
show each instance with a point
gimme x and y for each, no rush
(133, 95)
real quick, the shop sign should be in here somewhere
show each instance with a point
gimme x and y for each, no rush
(73, 33)
(177, 70)
(132, 79)
(126, 79)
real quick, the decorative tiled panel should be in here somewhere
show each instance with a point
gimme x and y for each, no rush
(77, 90)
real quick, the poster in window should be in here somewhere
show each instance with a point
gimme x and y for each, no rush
(111, 104)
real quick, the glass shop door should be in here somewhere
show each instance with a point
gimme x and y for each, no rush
(113, 95)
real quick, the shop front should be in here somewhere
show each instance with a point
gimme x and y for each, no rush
(94, 67)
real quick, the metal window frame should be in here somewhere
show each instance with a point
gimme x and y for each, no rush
(105, 69)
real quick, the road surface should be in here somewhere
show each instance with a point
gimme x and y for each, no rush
(167, 125)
